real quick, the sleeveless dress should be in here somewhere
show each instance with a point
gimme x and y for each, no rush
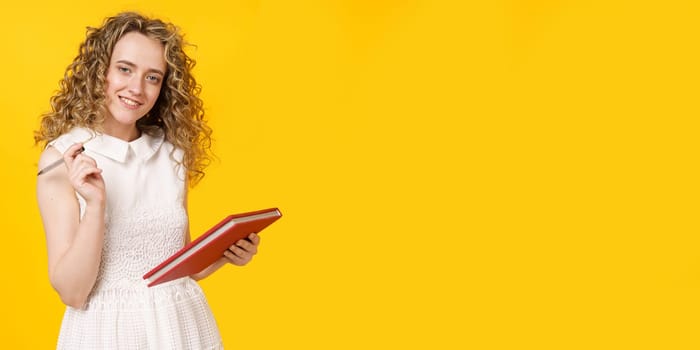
(145, 223)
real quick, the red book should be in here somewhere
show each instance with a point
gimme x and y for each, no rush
(209, 247)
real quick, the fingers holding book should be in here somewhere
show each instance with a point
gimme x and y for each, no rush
(243, 251)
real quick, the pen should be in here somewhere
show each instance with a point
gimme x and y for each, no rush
(56, 163)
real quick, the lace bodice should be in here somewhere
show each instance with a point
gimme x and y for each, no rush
(136, 240)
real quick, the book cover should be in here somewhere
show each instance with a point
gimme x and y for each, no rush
(210, 246)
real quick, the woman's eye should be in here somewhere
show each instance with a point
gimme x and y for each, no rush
(123, 69)
(152, 78)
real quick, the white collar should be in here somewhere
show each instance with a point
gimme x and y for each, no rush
(117, 149)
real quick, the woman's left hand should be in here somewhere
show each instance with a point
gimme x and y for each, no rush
(242, 251)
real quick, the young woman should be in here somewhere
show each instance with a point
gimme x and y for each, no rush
(128, 125)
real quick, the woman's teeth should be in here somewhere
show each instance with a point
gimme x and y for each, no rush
(128, 101)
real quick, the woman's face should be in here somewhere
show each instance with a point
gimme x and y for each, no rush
(135, 75)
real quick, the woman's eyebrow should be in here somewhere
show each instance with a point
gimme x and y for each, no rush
(131, 64)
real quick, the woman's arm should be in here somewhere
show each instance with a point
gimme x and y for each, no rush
(74, 245)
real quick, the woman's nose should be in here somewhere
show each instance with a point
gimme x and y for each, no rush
(135, 85)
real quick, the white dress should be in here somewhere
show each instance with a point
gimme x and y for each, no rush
(145, 222)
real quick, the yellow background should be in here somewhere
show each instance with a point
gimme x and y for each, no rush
(486, 174)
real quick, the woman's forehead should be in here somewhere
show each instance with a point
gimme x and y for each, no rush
(140, 50)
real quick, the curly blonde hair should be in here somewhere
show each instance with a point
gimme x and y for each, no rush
(179, 111)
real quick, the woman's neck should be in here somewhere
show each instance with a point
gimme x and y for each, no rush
(125, 132)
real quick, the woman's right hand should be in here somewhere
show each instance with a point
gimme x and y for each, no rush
(84, 175)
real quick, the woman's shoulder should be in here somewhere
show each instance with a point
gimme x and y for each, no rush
(48, 156)
(159, 143)
(55, 149)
